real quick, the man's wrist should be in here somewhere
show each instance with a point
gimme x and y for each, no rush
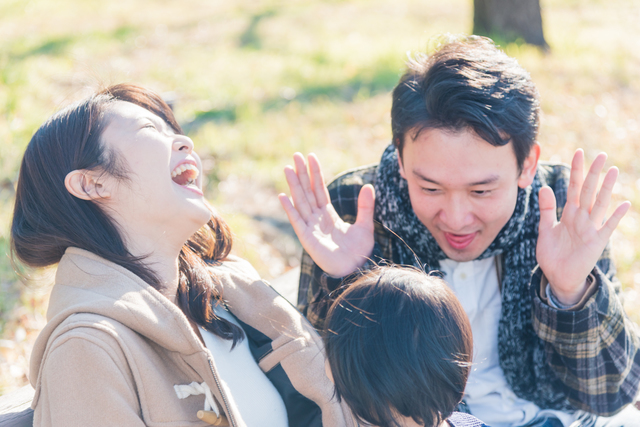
(549, 296)
(348, 271)
(570, 298)
(554, 301)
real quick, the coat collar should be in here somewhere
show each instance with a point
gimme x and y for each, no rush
(87, 283)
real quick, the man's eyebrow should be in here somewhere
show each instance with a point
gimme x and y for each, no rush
(488, 180)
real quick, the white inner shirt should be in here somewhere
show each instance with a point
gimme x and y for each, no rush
(245, 385)
(488, 395)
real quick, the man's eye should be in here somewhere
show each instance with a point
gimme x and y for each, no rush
(430, 190)
(481, 192)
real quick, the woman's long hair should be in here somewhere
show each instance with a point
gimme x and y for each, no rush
(47, 219)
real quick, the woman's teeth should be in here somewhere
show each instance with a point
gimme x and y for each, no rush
(183, 168)
(185, 174)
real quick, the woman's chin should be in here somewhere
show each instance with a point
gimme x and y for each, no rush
(199, 213)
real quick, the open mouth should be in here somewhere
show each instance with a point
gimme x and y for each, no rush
(460, 241)
(185, 175)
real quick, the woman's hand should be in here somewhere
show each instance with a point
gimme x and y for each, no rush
(337, 247)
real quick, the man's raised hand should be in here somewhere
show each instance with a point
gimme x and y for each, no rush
(337, 247)
(568, 249)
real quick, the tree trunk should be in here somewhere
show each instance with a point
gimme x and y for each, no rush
(509, 20)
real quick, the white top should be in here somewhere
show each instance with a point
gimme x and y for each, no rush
(245, 384)
(488, 395)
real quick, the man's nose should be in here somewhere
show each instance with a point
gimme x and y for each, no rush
(457, 214)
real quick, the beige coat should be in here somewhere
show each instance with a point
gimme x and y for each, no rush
(114, 348)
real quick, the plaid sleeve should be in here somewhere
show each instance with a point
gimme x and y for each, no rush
(323, 289)
(593, 350)
(312, 295)
(315, 286)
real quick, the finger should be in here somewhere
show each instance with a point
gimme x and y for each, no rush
(297, 193)
(590, 184)
(547, 204)
(612, 223)
(317, 181)
(601, 204)
(575, 179)
(305, 181)
(298, 224)
(366, 206)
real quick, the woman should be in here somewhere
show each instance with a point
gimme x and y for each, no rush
(141, 330)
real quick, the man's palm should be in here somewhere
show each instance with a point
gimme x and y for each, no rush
(569, 249)
(337, 247)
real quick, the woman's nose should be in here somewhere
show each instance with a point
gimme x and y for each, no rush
(183, 143)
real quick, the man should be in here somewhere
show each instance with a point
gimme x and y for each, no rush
(460, 190)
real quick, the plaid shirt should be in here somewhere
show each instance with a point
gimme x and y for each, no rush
(592, 348)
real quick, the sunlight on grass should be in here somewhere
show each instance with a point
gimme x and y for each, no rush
(253, 81)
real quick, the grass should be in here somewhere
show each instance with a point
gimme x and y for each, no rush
(255, 80)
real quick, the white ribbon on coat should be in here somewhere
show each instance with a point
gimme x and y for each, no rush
(195, 389)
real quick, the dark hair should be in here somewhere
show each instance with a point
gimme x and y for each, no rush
(47, 219)
(398, 342)
(468, 83)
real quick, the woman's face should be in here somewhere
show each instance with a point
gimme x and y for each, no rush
(164, 186)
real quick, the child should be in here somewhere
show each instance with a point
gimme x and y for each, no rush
(399, 348)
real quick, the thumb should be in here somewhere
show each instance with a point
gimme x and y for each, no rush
(547, 203)
(366, 204)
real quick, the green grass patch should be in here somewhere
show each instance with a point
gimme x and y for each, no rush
(253, 81)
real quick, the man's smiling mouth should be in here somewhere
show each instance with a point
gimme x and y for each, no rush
(460, 241)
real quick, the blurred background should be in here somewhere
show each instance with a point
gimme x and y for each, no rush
(253, 81)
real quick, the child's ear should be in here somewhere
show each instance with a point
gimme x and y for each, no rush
(87, 184)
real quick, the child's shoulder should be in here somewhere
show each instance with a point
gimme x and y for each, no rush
(460, 419)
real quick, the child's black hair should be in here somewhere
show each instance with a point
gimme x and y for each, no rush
(398, 342)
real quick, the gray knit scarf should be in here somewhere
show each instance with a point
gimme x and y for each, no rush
(522, 354)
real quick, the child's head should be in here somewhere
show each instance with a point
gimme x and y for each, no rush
(399, 346)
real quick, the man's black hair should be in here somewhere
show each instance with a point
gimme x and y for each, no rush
(467, 84)
(398, 342)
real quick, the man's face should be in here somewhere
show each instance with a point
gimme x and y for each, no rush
(462, 188)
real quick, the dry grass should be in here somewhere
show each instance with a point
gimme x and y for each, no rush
(255, 81)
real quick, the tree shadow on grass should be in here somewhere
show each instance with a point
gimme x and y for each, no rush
(59, 46)
(363, 85)
(54, 47)
(250, 37)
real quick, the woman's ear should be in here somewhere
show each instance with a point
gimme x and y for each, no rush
(86, 185)
(529, 167)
